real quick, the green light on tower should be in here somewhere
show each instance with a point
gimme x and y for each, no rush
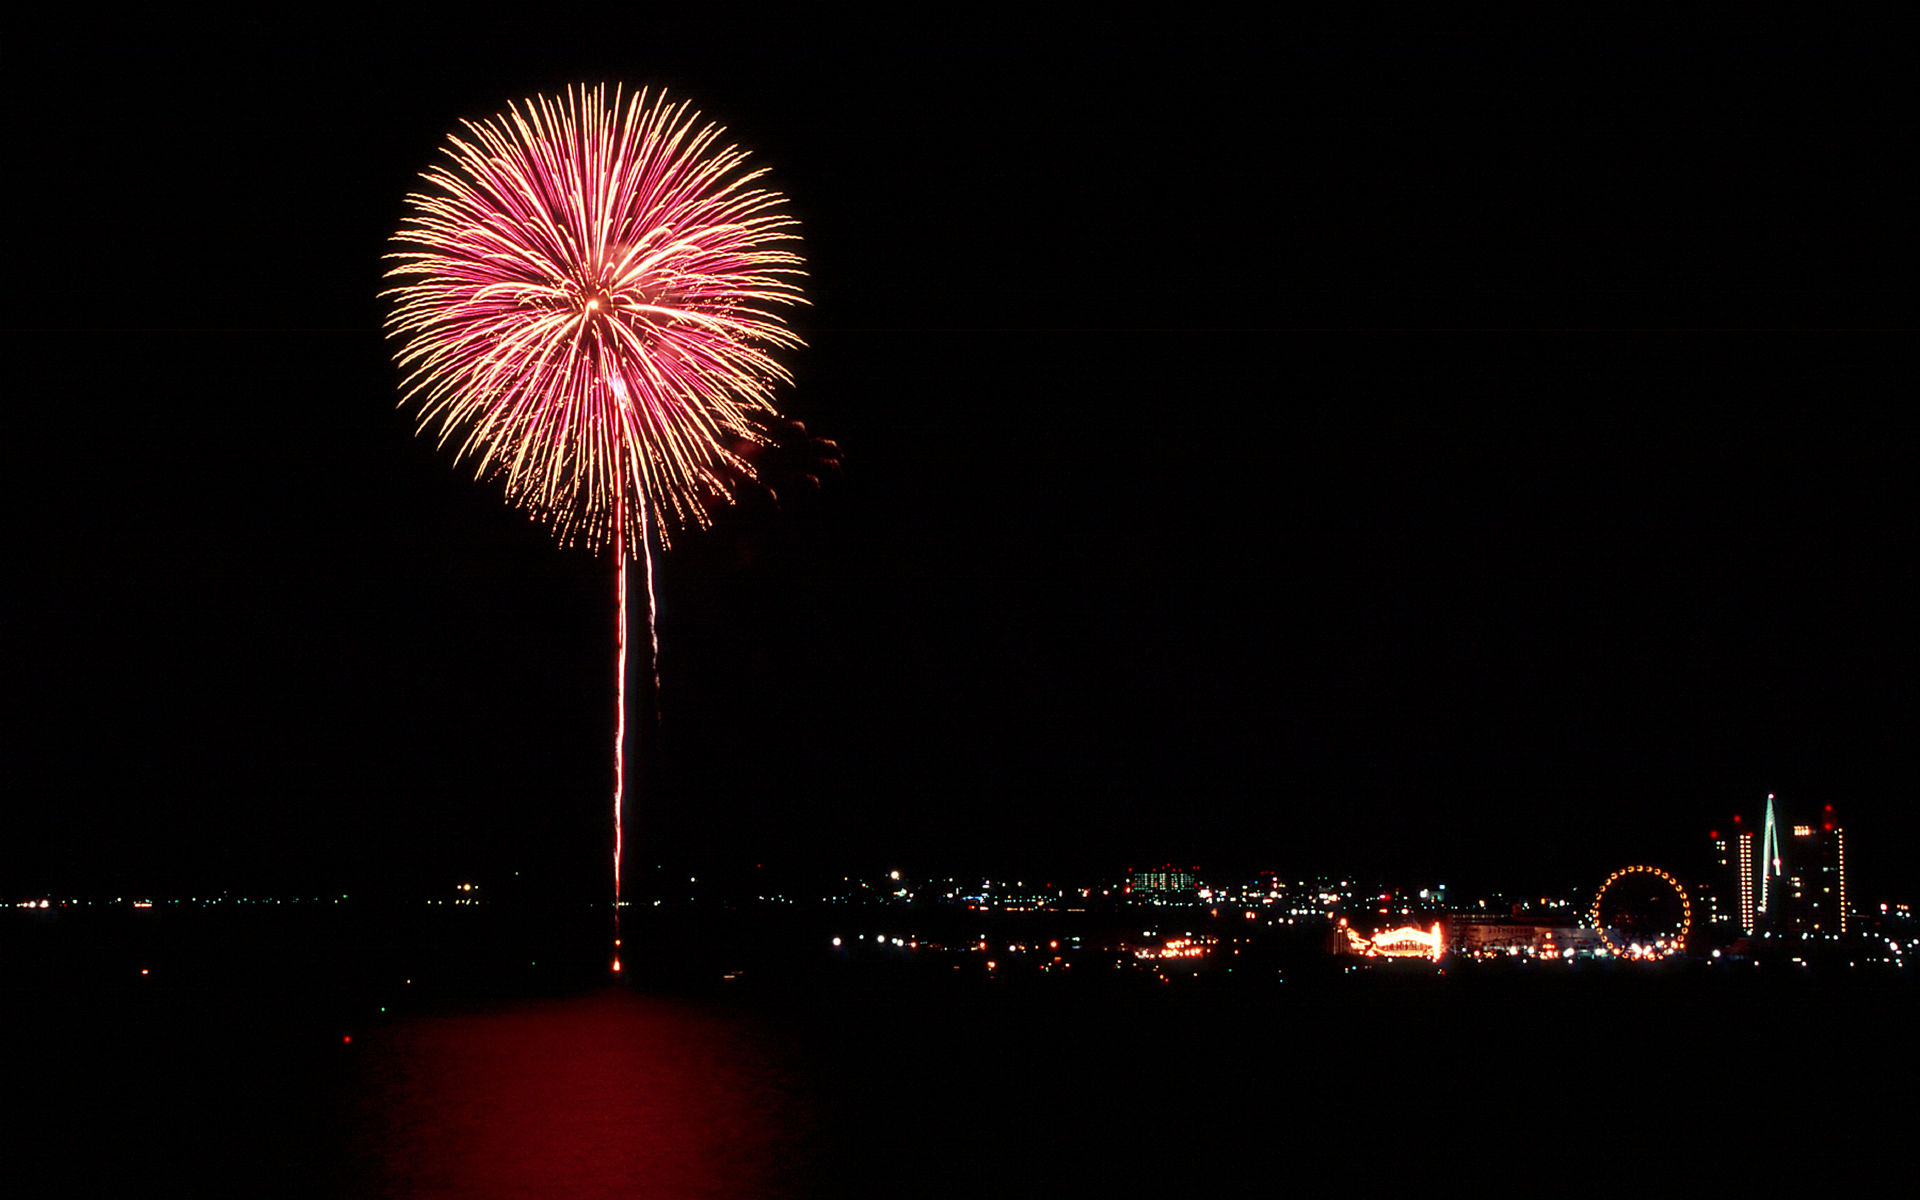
(1769, 853)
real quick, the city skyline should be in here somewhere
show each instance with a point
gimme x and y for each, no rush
(1816, 894)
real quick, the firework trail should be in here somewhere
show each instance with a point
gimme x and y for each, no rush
(586, 296)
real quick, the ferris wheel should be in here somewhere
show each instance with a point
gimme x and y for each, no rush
(1642, 912)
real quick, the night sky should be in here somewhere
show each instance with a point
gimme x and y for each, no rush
(1430, 456)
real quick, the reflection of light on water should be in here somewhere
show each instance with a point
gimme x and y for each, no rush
(612, 1094)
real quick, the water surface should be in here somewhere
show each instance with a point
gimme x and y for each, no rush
(609, 1094)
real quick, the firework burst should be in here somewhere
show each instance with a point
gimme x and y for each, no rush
(586, 298)
(585, 301)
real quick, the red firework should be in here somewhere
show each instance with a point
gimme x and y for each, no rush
(585, 302)
(586, 299)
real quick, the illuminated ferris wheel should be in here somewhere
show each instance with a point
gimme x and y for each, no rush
(1642, 913)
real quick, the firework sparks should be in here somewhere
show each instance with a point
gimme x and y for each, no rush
(586, 301)
(587, 297)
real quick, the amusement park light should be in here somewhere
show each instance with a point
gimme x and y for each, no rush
(1679, 939)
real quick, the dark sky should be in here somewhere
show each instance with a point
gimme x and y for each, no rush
(1425, 455)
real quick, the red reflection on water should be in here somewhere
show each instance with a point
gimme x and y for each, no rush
(612, 1094)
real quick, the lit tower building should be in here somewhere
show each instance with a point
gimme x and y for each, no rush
(1722, 894)
(1840, 867)
(1814, 885)
(1769, 860)
(1743, 854)
(1731, 898)
(1160, 880)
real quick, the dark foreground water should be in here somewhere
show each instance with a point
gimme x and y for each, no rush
(605, 1094)
(893, 1083)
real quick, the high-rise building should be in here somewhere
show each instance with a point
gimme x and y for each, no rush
(1160, 880)
(1730, 899)
(1725, 898)
(1814, 895)
(1744, 851)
